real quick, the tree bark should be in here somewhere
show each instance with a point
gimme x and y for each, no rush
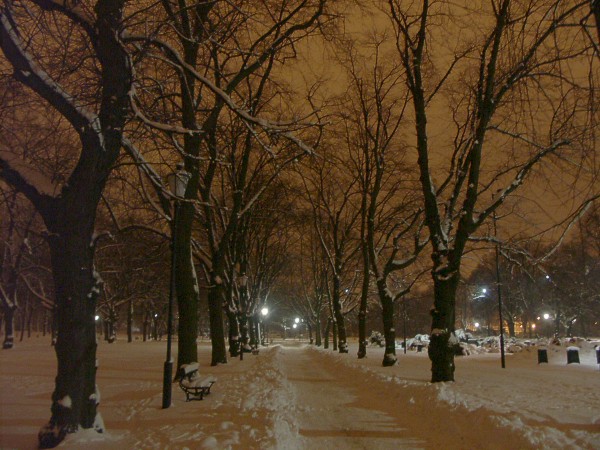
(215, 312)
(339, 324)
(74, 400)
(234, 334)
(441, 351)
(130, 321)
(318, 333)
(186, 291)
(389, 332)
(364, 297)
(9, 319)
(334, 334)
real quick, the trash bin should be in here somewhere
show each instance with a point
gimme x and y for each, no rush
(542, 355)
(572, 355)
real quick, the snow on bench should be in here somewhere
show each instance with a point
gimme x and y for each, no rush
(194, 387)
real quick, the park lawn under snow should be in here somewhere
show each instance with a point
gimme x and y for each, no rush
(293, 396)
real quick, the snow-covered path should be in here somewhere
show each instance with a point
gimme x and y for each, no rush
(331, 410)
(339, 406)
(293, 396)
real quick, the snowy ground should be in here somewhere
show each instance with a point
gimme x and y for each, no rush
(297, 397)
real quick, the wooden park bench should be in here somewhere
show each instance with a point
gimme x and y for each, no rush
(194, 387)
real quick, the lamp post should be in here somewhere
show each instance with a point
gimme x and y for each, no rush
(499, 292)
(404, 324)
(243, 282)
(177, 183)
(264, 312)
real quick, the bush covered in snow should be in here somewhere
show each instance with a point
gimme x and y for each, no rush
(377, 338)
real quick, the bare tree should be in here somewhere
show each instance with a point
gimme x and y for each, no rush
(390, 215)
(331, 191)
(218, 52)
(69, 208)
(517, 107)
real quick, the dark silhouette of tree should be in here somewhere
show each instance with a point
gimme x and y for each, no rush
(93, 100)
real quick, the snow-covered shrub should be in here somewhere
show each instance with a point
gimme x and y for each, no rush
(420, 340)
(377, 338)
(463, 336)
(491, 342)
(461, 349)
(514, 348)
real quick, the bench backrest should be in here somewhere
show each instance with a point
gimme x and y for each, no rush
(190, 368)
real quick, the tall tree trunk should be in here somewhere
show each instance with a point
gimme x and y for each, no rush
(130, 321)
(318, 332)
(362, 313)
(215, 311)
(253, 331)
(30, 319)
(145, 326)
(234, 334)
(186, 291)
(339, 324)
(511, 327)
(441, 351)
(243, 330)
(74, 400)
(334, 334)
(326, 337)
(9, 319)
(23, 321)
(389, 332)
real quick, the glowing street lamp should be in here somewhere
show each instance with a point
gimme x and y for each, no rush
(546, 316)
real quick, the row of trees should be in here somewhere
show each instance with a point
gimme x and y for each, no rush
(440, 120)
(563, 290)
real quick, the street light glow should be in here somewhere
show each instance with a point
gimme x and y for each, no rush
(295, 325)
(484, 290)
(297, 320)
(264, 311)
(96, 318)
(533, 326)
(546, 316)
(476, 324)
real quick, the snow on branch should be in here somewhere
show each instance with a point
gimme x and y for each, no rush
(28, 72)
(26, 178)
(73, 10)
(518, 180)
(161, 191)
(273, 128)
